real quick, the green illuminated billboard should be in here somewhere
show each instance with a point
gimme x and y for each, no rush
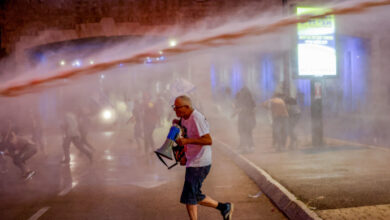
(316, 44)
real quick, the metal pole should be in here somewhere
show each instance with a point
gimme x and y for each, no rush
(316, 112)
(286, 60)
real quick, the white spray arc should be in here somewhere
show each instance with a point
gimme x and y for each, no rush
(190, 42)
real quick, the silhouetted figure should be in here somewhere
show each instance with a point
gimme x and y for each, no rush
(277, 106)
(72, 135)
(84, 125)
(294, 114)
(245, 108)
(3, 161)
(20, 149)
(150, 121)
(137, 119)
(160, 104)
(3, 146)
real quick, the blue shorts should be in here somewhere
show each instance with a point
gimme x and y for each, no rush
(192, 193)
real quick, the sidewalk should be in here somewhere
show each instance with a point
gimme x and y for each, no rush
(339, 181)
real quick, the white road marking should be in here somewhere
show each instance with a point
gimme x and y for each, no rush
(256, 195)
(40, 212)
(67, 189)
(74, 183)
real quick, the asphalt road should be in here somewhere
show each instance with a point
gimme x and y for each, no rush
(123, 182)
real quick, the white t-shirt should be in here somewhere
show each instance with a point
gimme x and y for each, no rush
(196, 126)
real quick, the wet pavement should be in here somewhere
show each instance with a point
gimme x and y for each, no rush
(122, 183)
(341, 180)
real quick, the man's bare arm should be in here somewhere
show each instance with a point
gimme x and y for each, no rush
(204, 140)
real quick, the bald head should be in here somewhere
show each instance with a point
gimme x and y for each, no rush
(183, 106)
(184, 100)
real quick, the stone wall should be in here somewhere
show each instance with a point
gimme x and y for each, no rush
(21, 20)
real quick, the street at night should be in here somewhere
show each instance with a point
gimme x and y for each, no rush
(122, 183)
(194, 109)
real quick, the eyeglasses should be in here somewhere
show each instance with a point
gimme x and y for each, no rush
(178, 107)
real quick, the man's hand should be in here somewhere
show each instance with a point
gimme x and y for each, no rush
(175, 121)
(204, 140)
(181, 141)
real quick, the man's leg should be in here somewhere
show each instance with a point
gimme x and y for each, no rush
(66, 146)
(146, 141)
(192, 211)
(226, 209)
(283, 132)
(209, 202)
(19, 163)
(79, 144)
(149, 142)
(84, 139)
(3, 163)
(274, 134)
(192, 191)
(28, 152)
(138, 135)
(250, 140)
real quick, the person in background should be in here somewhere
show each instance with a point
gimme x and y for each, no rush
(4, 130)
(84, 126)
(137, 116)
(150, 122)
(72, 135)
(21, 149)
(278, 109)
(3, 161)
(294, 114)
(245, 108)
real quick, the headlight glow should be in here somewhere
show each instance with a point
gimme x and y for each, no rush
(107, 115)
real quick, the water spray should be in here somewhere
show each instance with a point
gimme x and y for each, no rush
(218, 40)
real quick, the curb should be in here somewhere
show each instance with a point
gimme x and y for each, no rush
(356, 144)
(280, 196)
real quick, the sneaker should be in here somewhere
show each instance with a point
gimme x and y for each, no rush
(228, 212)
(29, 175)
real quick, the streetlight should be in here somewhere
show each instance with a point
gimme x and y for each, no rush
(172, 43)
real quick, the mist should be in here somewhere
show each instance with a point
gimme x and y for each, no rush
(105, 78)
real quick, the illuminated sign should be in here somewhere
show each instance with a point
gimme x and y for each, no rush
(316, 44)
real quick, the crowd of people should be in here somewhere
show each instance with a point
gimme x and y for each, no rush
(147, 114)
(23, 137)
(285, 114)
(21, 141)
